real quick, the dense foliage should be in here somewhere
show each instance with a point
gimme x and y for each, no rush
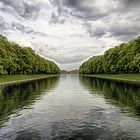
(124, 58)
(23, 60)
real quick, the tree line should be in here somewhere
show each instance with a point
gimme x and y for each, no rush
(121, 59)
(15, 59)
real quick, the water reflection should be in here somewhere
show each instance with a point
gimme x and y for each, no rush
(15, 97)
(67, 111)
(122, 94)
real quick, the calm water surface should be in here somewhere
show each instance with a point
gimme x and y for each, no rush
(70, 108)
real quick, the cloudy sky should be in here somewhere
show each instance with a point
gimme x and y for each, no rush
(69, 31)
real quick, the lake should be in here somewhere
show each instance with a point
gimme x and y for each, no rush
(70, 107)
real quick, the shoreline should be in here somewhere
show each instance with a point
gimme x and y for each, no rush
(114, 79)
(27, 80)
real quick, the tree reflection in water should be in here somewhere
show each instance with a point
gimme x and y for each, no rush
(123, 94)
(17, 96)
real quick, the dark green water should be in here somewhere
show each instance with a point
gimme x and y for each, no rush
(70, 107)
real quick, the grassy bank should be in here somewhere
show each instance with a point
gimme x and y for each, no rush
(122, 77)
(19, 78)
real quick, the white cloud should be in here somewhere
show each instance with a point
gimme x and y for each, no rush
(69, 31)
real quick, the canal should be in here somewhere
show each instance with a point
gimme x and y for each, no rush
(70, 107)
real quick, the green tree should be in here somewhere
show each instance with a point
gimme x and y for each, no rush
(124, 58)
(15, 59)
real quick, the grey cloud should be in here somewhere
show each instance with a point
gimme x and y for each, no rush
(55, 19)
(58, 5)
(70, 66)
(23, 8)
(79, 5)
(18, 26)
(126, 27)
(60, 54)
(130, 2)
(6, 8)
(67, 60)
(88, 15)
(31, 11)
(125, 9)
(83, 9)
(124, 33)
(95, 31)
(22, 28)
(25, 29)
(57, 16)
(18, 5)
(99, 31)
(3, 25)
(72, 3)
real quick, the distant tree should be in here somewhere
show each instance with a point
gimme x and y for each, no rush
(15, 59)
(124, 58)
